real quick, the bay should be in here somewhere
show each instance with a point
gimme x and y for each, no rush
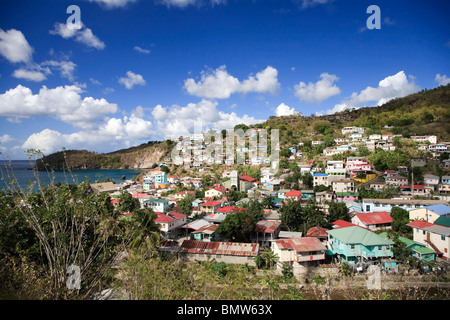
(20, 171)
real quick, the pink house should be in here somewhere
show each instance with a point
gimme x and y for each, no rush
(356, 165)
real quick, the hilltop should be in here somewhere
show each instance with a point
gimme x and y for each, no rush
(424, 113)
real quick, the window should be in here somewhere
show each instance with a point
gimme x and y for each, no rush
(352, 247)
(443, 238)
(380, 248)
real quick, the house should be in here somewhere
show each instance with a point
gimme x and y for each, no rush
(343, 185)
(348, 130)
(293, 195)
(373, 221)
(445, 179)
(419, 250)
(170, 222)
(210, 206)
(215, 192)
(159, 205)
(418, 162)
(319, 233)
(320, 179)
(434, 236)
(415, 190)
(227, 252)
(430, 213)
(430, 179)
(226, 210)
(183, 194)
(306, 252)
(376, 205)
(396, 180)
(206, 233)
(422, 139)
(342, 224)
(103, 187)
(324, 196)
(194, 226)
(377, 186)
(355, 244)
(265, 232)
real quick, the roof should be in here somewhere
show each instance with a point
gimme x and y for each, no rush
(416, 186)
(168, 217)
(358, 235)
(225, 248)
(443, 221)
(293, 193)
(210, 204)
(246, 178)
(342, 224)
(317, 232)
(209, 229)
(404, 201)
(374, 218)
(197, 224)
(305, 244)
(440, 209)
(226, 209)
(435, 228)
(267, 226)
(419, 224)
(103, 187)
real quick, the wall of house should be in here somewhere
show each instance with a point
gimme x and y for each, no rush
(191, 257)
(442, 245)
(423, 214)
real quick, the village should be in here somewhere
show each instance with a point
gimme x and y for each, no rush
(191, 206)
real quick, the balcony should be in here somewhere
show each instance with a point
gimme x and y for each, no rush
(309, 257)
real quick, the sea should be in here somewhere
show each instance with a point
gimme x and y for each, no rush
(20, 174)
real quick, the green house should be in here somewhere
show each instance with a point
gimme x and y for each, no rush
(356, 244)
(419, 250)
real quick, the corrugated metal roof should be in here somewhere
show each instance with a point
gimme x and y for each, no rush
(267, 226)
(419, 224)
(440, 209)
(225, 248)
(372, 218)
(358, 235)
(306, 244)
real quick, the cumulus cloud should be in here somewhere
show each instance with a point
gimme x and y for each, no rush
(442, 80)
(83, 35)
(15, 47)
(63, 103)
(131, 80)
(284, 110)
(185, 3)
(219, 84)
(117, 132)
(319, 91)
(304, 4)
(391, 87)
(175, 121)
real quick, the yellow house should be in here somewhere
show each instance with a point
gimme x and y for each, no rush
(215, 192)
(430, 213)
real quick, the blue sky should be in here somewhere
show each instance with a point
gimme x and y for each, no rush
(148, 70)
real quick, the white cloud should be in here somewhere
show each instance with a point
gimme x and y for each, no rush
(35, 76)
(220, 85)
(115, 132)
(391, 87)
(83, 35)
(5, 139)
(175, 121)
(442, 80)
(112, 4)
(319, 91)
(14, 47)
(63, 103)
(304, 4)
(139, 49)
(131, 80)
(66, 68)
(284, 110)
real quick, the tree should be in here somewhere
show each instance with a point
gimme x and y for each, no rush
(337, 211)
(400, 219)
(185, 205)
(291, 215)
(127, 203)
(237, 226)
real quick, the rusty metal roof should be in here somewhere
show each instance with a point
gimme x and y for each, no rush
(267, 226)
(301, 244)
(225, 248)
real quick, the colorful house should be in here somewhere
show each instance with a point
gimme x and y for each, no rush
(373, 220)
(293, 195)
(206, 233)
(159, 205)
(307, 251)
(356, 244)
(419, 250)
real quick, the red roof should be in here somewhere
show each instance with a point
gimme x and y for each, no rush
(293, 193)
(419, 224)
(374, 218)
(115, 200)
(416, 186)
(317, 232)
(305, 244)
(210, 203)
(247, 178)
(224, 248)
(342, 224)
(226, 209)
(220, 189)
(168, 217)
(267, 226)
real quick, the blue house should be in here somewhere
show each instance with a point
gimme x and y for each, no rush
(356, 244)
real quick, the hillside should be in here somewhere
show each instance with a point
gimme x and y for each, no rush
(424, 113)
(142, 156)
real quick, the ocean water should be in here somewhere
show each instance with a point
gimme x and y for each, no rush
(20, 171)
